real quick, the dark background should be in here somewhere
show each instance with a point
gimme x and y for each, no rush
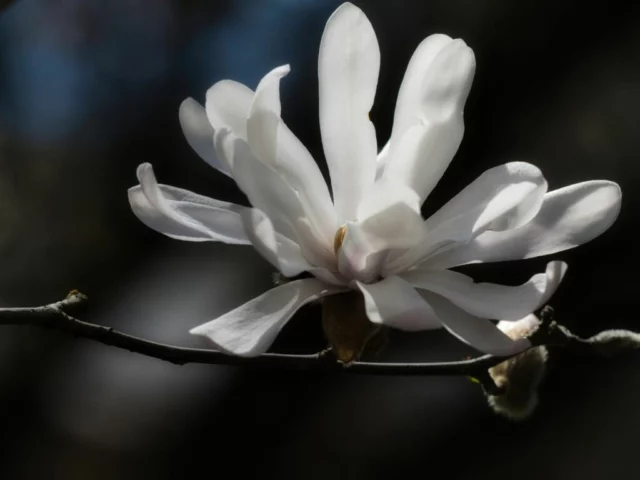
(90, 89)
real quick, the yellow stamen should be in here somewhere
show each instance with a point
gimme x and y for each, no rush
(339, 238)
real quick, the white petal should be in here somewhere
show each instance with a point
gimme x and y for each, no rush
(489, 300)
(274, 144)
(390, 220)
(428, 124)
(383, 158)
(250, 329)
(282, 252)
(327, 276)
(416, 84)
(267, 96)
(348, 67)
(227, 105)
(268, 192)
(184, 215)
(395, 303)
(502, 198)
(424, 153)
(198, 132)
(384, 194)
(569, 217)
(479, 333)
(447, 82)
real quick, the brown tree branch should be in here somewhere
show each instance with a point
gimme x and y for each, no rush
(59, 316)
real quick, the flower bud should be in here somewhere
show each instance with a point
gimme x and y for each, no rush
(519, 376)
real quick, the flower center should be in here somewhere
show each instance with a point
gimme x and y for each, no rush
(339, 238)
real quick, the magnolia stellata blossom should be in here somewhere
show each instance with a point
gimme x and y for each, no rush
(370, 236)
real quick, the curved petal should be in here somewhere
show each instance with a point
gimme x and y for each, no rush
(250, 329)
(184, 215)
(348, 67)
(199, 133)
(227, 105)
(489, 300)
(502, 198)
(395, 303)
(428, 124)
(282, 252)
(479, 333)
(267, 95)
(274, 144)
(569, 217)
(268, 192)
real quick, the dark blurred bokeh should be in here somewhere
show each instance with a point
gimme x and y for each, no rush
(90, 89)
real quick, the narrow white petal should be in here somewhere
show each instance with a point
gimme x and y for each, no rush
(569, 217)
(282, 252)
(348, 67)
(250, 329)
(448, 81)
(199, 133)
(489, 300)
(480, 333)
(424, 153)
(428, 123)
(503, 197)
(268, 192)
(227, 105)
(416, 83)
(267, 96)
(395, 303)
(274, 144)
(184, 215)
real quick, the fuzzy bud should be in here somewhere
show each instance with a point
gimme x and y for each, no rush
(520, 376)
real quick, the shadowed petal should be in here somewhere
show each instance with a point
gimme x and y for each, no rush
(184, 215)
(199, 133)
(227, 106)
(268, 192)
(395, 303)
(274, 144)
(282, 252)
(250, 329)
(489, 300)
(479, 333)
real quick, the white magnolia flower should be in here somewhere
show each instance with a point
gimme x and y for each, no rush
(371, 237)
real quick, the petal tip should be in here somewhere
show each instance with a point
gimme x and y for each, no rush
(143, 170)
(187, 103)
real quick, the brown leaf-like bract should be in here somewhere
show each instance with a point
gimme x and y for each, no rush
(347, 328)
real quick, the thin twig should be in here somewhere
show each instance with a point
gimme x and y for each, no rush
(58, 316)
